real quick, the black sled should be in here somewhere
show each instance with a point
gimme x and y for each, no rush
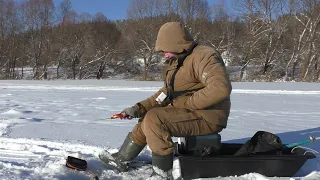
(206, 156)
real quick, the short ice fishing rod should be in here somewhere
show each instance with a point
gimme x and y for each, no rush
(120, 116)
(310, 140)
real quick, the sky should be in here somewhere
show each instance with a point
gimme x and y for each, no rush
(112, 9)
(43, 122)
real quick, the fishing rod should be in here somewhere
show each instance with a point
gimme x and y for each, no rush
(310, 140)
(115, 116)
(121, 116)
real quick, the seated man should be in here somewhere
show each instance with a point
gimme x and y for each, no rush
(195, 100)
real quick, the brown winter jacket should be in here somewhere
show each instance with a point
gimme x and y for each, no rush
(201, 84)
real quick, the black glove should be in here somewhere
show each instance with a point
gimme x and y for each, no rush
(131, 112)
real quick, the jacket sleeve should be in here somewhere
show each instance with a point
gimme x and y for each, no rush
(149, 103)
(212, 73)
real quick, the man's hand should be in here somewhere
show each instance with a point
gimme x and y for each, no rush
(131, 112)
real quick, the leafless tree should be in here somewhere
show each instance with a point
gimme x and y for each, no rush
(221, 32)
(103, 36)
(262, 32)
(38, 18)
(9, 38)
(65, 9)
(305, 48)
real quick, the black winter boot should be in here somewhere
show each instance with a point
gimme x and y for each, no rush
(162, 166)
(128, 151)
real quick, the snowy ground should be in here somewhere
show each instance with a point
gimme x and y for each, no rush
(43, 122)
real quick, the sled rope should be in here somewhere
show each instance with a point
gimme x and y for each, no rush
(309, 150)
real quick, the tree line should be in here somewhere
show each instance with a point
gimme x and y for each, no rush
(260, 40)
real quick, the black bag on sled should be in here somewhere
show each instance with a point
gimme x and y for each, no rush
(261, 143)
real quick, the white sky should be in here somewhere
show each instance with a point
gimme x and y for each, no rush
(42, 122)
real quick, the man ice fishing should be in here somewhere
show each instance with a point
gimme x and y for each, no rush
(195, 100)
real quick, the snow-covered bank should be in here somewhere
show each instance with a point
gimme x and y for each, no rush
(133, 86)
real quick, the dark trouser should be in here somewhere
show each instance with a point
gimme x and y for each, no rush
(162, 123)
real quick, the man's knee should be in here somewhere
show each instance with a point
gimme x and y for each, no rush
(151, 119)
(157, 134)
(153, 125)
(137, 135)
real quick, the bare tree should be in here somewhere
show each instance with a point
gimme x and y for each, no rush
(305, 48)
(275, 22)
(195, 14)
(103, 37)
(100, 17)
(141, 8)
(38, 18)
(253, 32)
(142, 27)
(76, 48)
(265, 24)
(65, 8)
(9, 28)
(188, 10)
(166, 7)
(142, 36)
(221, 32)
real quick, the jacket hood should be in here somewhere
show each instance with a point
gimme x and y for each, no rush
(173, 37)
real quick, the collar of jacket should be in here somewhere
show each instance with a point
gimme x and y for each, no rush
(182, 56)
(176, 62)
(172, 63)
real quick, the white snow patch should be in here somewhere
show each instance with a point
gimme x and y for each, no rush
(11, 112)
(5, 95)
(250, 91)
(146, 89)
(100, 98)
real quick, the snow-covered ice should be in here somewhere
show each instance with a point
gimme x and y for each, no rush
(43, 122)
